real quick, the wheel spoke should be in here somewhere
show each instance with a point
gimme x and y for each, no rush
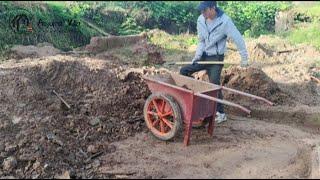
(155, 122)
(152, 113)
(156, 105)
(163, 106)
(162, 127)
(167, 113)
(166, 121)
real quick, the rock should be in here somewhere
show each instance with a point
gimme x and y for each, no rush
(94, 121)
(54, 107)
(96, 164)
(36, 165)
(92, 149)
(16, 120)
(2, 147)
(9, 163)
(58, 141)
(11, 148)
(20, 51)
(65, 175)
(27, 157)
(8, 177)
(284, 21)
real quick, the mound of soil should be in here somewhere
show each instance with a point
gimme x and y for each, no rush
(46, 137)
(152, 52)
(253, 81)
(41, 50)
(100, 44)
(260, 51)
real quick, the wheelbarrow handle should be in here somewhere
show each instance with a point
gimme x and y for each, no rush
(201, 62)
(224, 102)
(248, 95)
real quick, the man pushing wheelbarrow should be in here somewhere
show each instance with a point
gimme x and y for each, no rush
(214, 27)
(179, 101)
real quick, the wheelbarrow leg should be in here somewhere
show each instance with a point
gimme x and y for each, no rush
(187, 133)
(212, 120)
(211, 125)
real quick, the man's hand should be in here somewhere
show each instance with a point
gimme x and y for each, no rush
(244, 64)
(194, 61)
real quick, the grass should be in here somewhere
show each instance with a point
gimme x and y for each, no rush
(310, 10)
(176, 47)
(173, 42)
(309, 34)
(65, 37)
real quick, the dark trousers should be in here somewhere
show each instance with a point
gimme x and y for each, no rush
(214, 73)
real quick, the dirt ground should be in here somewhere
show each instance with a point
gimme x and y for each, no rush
(81, 116)
(239, 149)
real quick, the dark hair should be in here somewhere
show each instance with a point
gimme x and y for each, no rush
(207, 4)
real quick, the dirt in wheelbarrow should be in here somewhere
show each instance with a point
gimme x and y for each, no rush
(41, 137)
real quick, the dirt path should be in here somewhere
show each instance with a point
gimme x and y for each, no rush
(239, 149)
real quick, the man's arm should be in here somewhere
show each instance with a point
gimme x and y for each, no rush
(235, 35)
(201, 43)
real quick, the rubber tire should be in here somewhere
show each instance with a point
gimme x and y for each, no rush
(177, 116)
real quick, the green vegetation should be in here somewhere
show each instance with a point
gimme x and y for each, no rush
(62, 23)
(311, 12)
(53, 22)
(173, 42)
(310, 34)
(307, 25)
(254, 18)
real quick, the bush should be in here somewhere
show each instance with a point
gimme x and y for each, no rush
(253, 19)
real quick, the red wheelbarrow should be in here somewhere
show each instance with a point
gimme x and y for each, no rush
(176, 99)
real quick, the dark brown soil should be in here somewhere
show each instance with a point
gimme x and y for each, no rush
(43, 131)
(253, 81)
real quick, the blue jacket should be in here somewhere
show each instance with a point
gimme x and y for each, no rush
(213, 40)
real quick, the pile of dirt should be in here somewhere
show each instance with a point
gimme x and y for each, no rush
(260, 51)
(151, 51)
(41, 50)
(253, 81)
(44, 136)
(100, 44)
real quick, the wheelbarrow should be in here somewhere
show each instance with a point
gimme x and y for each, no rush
(178, 99)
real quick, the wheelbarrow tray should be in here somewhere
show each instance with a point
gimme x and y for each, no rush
(196, 99)
(183, 90)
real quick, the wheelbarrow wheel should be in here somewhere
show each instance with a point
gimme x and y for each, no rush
(162, 116)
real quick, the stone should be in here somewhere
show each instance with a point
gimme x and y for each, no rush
(36, 165)
(65, 175)
(94, 121)
(8, 177)
(9, 163)
(10, 148)
(92, 149)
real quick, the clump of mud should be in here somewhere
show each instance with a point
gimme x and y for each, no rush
(260, 51)
(151, 51)
(45, 136)
(253, 81)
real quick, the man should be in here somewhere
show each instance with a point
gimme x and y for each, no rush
(214, 27)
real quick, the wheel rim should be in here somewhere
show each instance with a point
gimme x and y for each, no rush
(160, 116)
